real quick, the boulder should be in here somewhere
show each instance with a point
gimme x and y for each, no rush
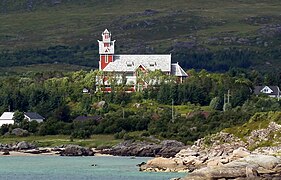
(6, 152)
(19, 132)
(24, 145)
(190, 160)
(229, 171)
(265, 161)
(186, 153)
(75, 150)
(214, 162)
(241, 152)
(162, 164)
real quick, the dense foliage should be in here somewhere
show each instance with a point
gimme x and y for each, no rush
(60, 99)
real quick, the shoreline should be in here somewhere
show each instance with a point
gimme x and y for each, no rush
(48, 152)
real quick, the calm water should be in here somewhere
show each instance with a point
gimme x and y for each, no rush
(72, 168)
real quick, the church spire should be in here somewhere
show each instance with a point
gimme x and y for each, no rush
(106, 49)
(106, 46)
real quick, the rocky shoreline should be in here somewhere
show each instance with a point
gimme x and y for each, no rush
(220, 156)
(166, 148)
(223, 156)
(27, 149)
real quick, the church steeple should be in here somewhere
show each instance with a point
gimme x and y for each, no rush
(106, 46)
(106, 49)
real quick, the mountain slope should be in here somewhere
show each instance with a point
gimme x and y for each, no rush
(215, 35)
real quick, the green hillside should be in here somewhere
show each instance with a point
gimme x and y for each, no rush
(215, 35)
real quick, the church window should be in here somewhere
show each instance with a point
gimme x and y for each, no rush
(151, 64)
(130, 64)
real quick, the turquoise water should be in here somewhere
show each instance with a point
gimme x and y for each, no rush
(72, 168)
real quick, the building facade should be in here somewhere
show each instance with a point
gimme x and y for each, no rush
(127, 68)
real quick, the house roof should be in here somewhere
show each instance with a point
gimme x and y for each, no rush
(178, 71)
(129, 63)
(275, 90)
(7, 116)
(86, 118)
(33, 115)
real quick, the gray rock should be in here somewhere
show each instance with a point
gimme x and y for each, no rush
(173, 143)
(168, 148)
(6, 152)
(249, 167)
(265, 161)
(24, 145)
(75, 150)
(100, 104)
(19, 132)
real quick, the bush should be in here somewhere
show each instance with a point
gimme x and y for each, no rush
(81, 134)
(120, 135)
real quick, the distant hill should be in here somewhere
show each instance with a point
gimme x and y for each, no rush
(215, 35)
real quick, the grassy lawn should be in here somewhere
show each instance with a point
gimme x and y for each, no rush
(56, 140)
(183, 110)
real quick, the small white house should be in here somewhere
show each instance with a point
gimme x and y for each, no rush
(271, 91)
(7, 117)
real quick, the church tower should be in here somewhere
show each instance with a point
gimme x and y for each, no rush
(106, 49)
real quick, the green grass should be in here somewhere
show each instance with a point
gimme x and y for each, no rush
(77, 23)
(257, 121)
(56, 140)
(183, 110)
(42, 68)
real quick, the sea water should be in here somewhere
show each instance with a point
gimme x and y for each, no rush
(77, 168)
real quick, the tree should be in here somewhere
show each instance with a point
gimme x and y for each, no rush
(18, 117)
(215, 103)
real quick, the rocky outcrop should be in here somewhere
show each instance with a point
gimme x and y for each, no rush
(216, 150)
(167, 148)
(261, 135)
(224, 156)
(253, 166)
(75, 150)
(17, 146)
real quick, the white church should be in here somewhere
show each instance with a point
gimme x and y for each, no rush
(128, 65)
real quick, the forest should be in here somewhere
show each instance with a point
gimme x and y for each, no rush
(168, 109)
